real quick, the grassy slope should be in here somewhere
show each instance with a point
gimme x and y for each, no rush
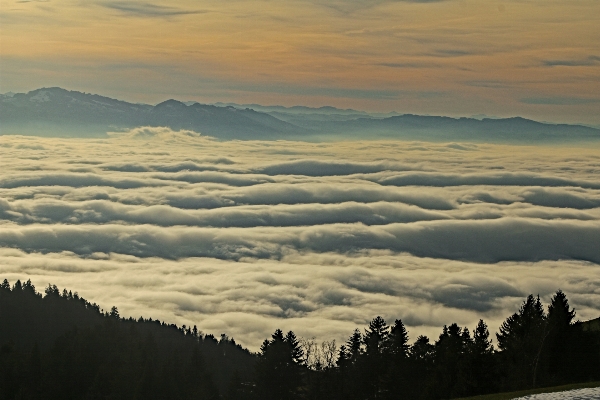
(514, 395)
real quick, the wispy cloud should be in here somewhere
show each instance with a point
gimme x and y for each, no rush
(356, 5)
(559, 100)
(452, 53)
(406, 65)
(141, 9)
(490, 83)
(589, 61)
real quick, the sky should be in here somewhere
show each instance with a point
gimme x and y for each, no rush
(538, 59)
(244, 237)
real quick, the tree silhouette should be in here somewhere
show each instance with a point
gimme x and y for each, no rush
(480, 362)
(375, 336)
(62, 346)
(559, 341)
(398, 378)
(397, 343)
(449, 359)
(520, 339)
(277, 372)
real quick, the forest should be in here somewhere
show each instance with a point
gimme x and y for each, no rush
(59, 345)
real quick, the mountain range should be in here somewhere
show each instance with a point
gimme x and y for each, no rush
(60, 112)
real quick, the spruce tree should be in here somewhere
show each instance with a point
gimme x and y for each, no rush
(480, 361)
(397, 341)
(397, 380)
(558, 350)
(295, 349)
(278, 373)
(520, 340)
(354, 345)
(450, 351)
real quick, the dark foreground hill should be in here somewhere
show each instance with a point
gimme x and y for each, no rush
(59, 112)
(60, 346)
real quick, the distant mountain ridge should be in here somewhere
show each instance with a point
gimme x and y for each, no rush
(60, 112)
(52, 111)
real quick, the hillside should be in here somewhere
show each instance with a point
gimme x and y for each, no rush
(72, 349)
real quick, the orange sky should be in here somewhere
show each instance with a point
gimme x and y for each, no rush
(534, 58)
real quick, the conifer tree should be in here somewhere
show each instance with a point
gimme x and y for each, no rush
(295, 349)
(482, 344)
(114, 312)
(375, 335)
(29, 287)
(374, 364)
(450, 351)
(397, 380)
(480, 361)
(421, 357)
(354, 345)
(397, 343)
(278, 374)
(559, 343)
(520, 339)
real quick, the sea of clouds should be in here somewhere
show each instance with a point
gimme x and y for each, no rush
(243, 237)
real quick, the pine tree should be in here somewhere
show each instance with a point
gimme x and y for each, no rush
(480, 361)
(295, 349)
(422, 350)
(373, 366)
(560, 315)
(450, 352)
(397, 382)
(520, 339)
(375, 335)
(29, 287)
(350, 363)
(114, 312)
(420, 374)
(397, 342)
(482, 344)
(354, 345)
(52, 291)
(558, 349)
(278, 373)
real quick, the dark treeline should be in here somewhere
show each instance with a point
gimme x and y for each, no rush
(61, 346)
(535, 348)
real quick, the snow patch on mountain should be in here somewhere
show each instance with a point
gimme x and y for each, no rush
(40, 97)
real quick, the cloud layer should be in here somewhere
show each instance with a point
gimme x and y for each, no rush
(245, 237)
